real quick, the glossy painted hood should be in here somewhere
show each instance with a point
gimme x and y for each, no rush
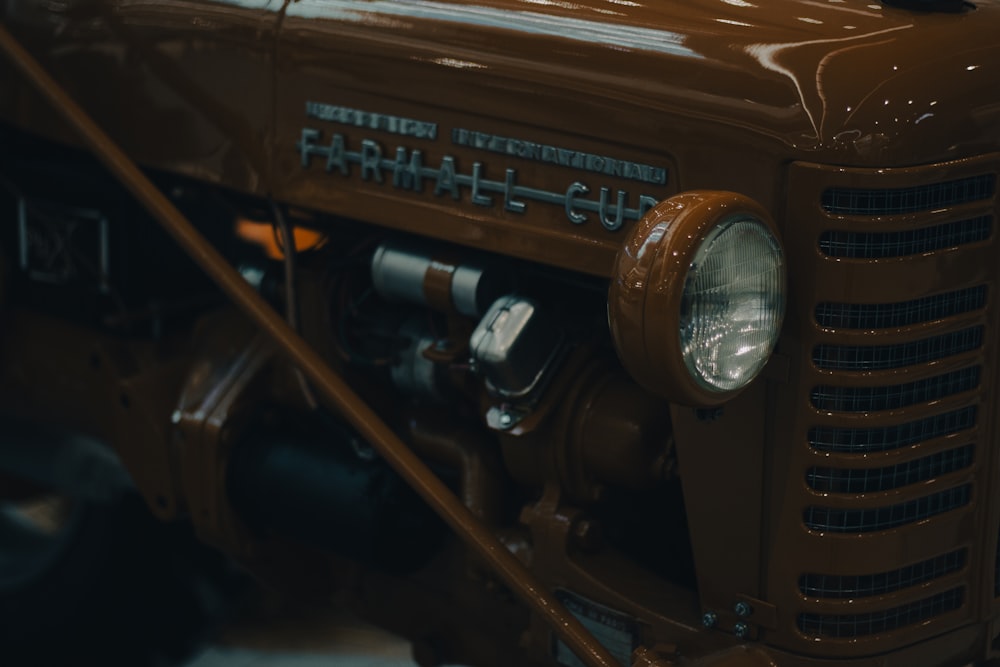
(848, 81)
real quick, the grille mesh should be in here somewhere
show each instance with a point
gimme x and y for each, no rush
(879, 245)
(869, 585)
(872, 399)
(882, 357)
(885, 438)
(906, 313)
(893, 201)
(871, 480)
(870, 519)
(860, 625)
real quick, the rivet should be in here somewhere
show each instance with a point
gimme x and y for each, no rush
(742, 609)
(709, 619)
(741, 630)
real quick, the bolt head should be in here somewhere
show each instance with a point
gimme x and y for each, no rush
(709, 619)
(741, 630)
(506, 419)
(742, 609)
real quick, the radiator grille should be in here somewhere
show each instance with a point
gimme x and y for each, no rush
(872, 480)
(870, 519)
(869, 585)
(859, 625)
(894, 201)
(892, 315)
(890, 366)
(872, 399)
(884, 357)
(884, 438)
(880, 245)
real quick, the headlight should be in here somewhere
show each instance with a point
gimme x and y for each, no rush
(698, 296)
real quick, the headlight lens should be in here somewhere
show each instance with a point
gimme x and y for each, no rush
(698, 295)
(732, 304)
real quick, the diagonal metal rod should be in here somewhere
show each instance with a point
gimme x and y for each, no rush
(475, 534)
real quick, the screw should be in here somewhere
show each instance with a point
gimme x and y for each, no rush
(743, 609)
(741, 630)
(506, 420)
(709, 619)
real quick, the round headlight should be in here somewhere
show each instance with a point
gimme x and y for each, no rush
(732, 304)
(698, 296)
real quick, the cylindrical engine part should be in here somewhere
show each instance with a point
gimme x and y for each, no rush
(413, 372)
(420, 277)
(621, 433)
(314, 488)
(609, 431)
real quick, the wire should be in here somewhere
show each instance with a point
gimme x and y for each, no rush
(291, 298)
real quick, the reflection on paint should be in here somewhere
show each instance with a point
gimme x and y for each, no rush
(631, 38)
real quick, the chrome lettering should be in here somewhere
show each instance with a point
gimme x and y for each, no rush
(616, 223)
(564, 157)
(572, 192)
(446, 178)
(335, 158)
(371, 160)
(307, 144)
(409, 173)
(645, 204)
(477, 197)
(509, 203)
(372, 121)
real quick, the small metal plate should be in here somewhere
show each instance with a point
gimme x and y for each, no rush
(617, 632)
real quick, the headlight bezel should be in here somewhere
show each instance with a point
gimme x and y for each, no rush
(648, 287)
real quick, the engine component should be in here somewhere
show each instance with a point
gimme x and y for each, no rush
(607, 431)
(422, 278)
(315, 489)
(698, 297)
(513, 346)
(413, 372)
